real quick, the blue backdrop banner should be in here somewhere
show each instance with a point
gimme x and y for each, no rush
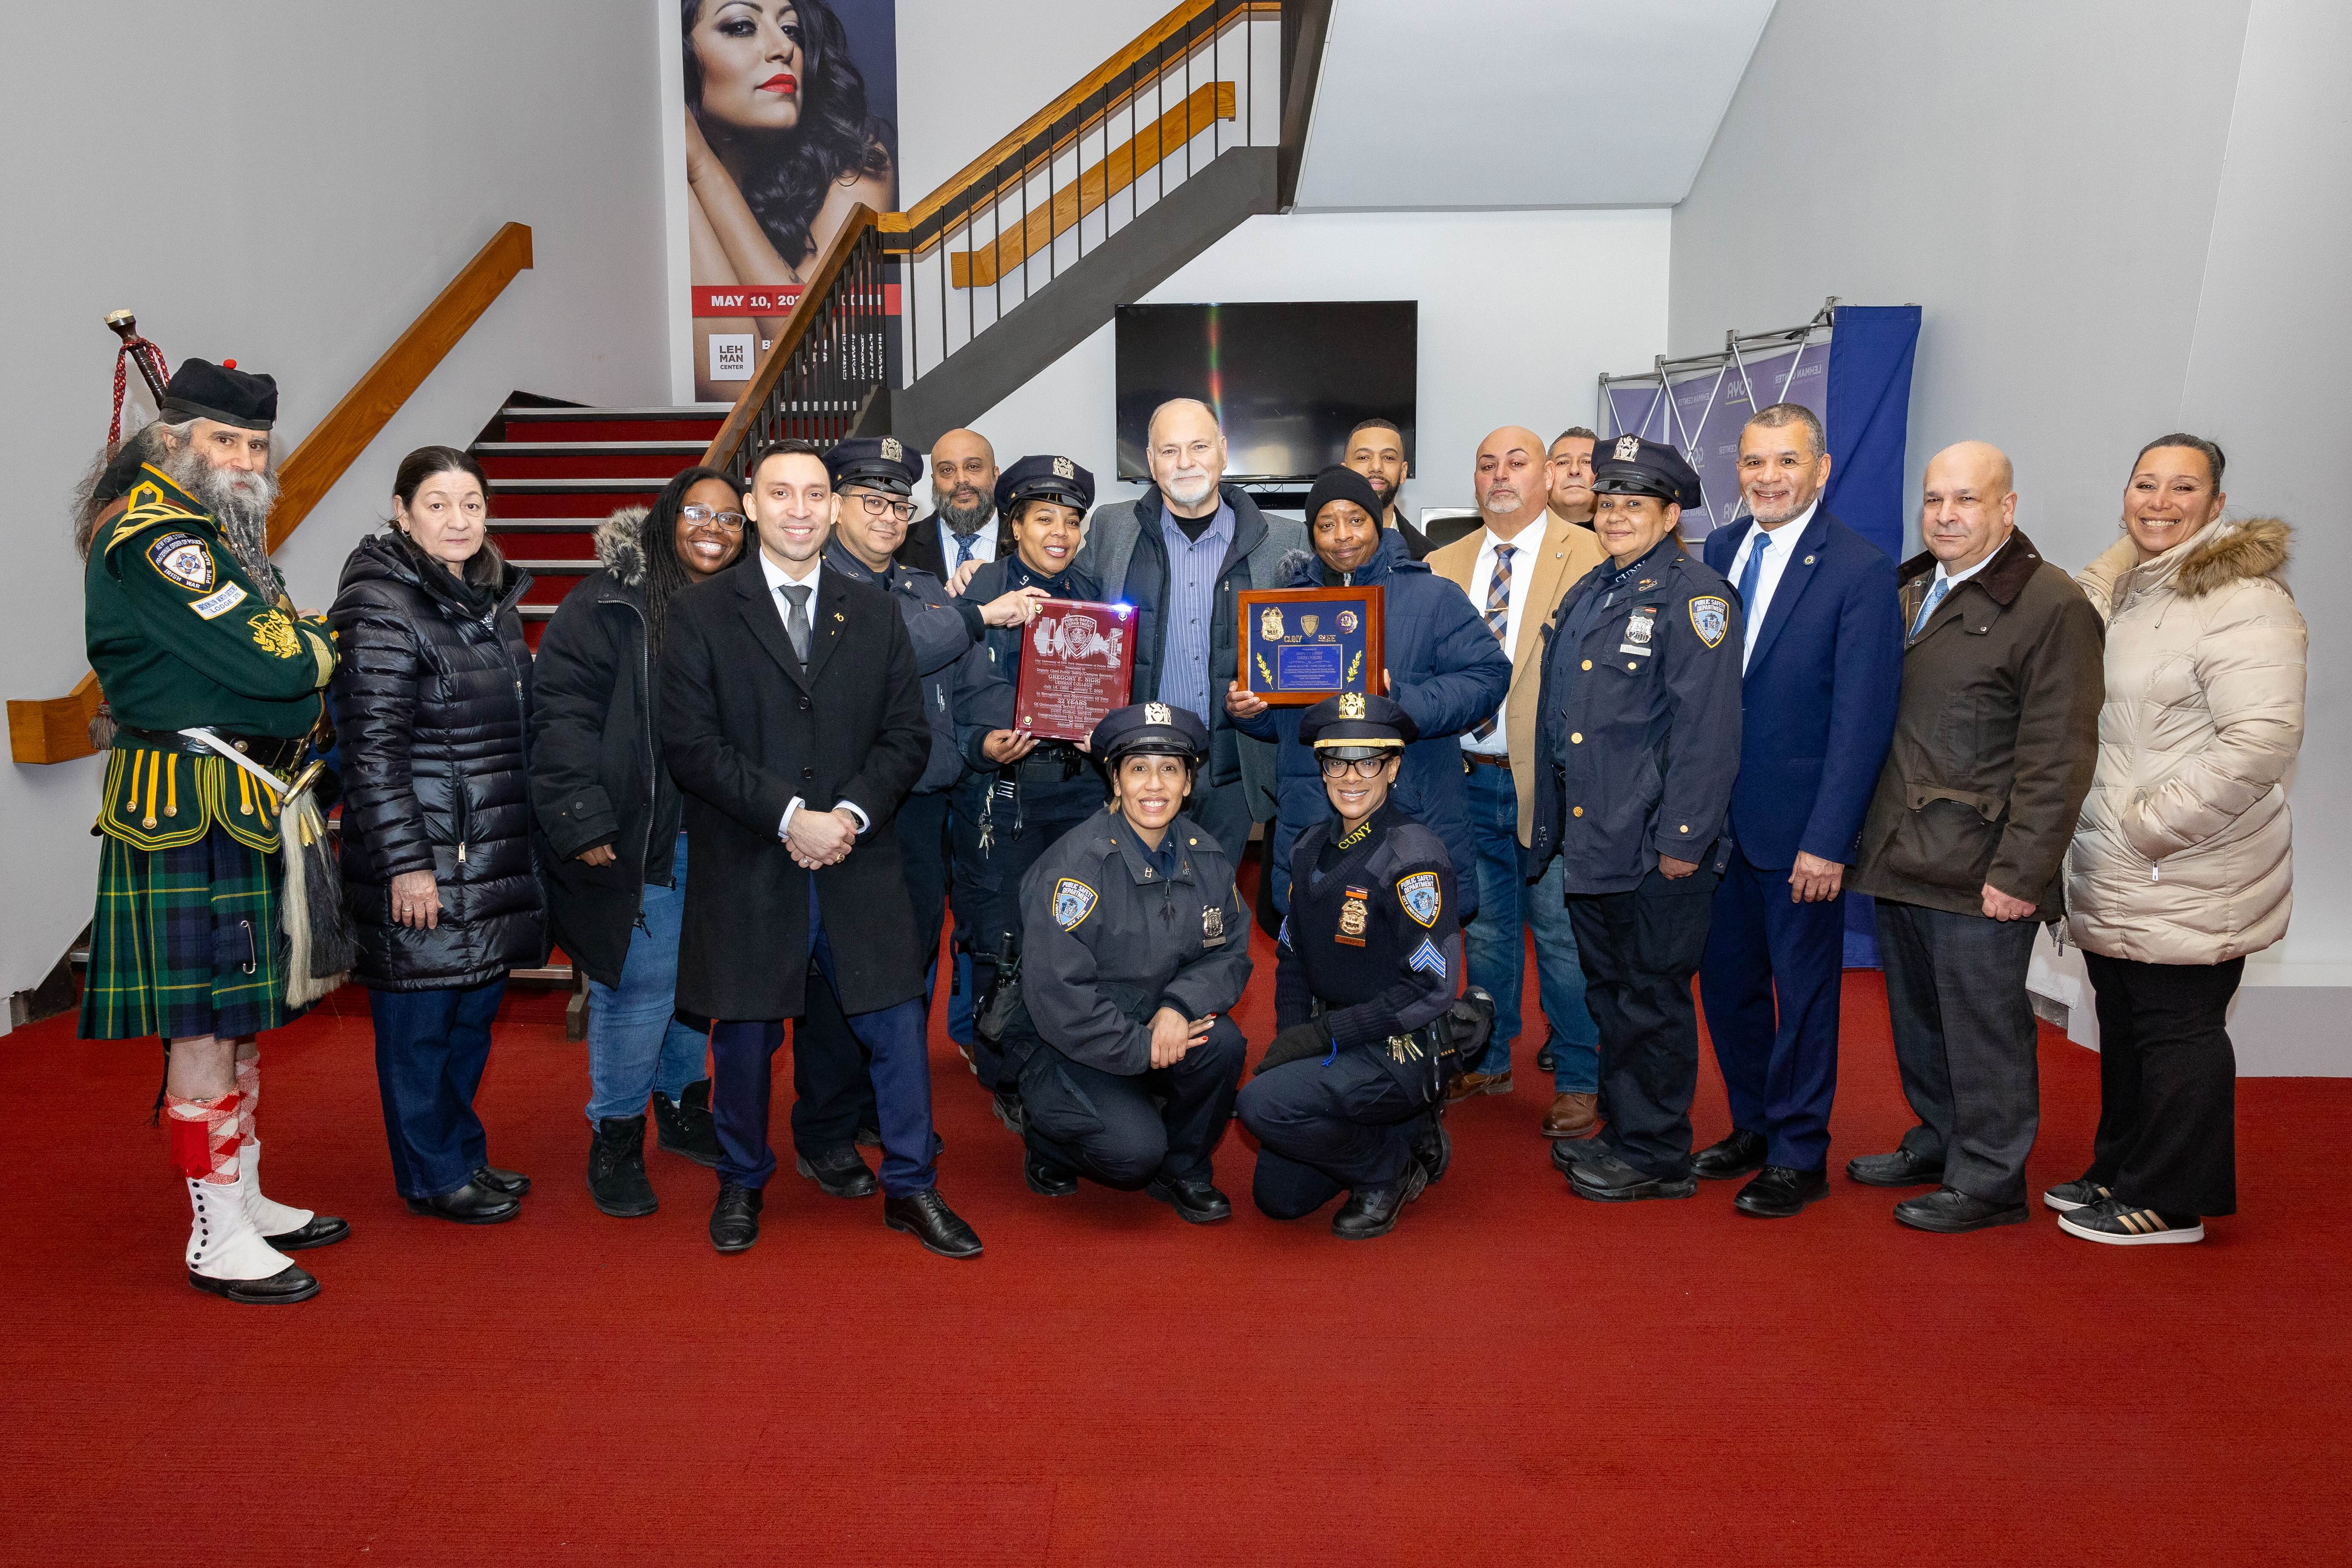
(1869, 418)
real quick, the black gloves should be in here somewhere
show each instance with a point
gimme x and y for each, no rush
(1312, 1038)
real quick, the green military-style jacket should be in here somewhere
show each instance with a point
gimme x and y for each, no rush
(179, 636)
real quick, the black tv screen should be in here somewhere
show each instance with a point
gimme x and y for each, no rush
(1288, 380)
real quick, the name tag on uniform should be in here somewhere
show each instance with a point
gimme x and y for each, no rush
(1355, 916)
(1212, 926)
(1638, 630)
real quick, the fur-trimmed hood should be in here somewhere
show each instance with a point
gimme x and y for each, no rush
(2256, 547)
(621, 546)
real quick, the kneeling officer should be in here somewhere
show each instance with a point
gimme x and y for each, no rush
(1348, 1096)
(1134, 946)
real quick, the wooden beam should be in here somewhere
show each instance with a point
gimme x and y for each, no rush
(56, 729)
(1210, 103)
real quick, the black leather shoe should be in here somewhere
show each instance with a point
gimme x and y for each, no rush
(617, 1168)
(1544, 1059)
(472, 1204)
(869, 1137)
(1780, 1192)
(1735, 1156)
(1901, 1169)
(324, 1230)
(1606, 1179)
(1433, 1151)
(1568, 1153)
(1047, 1181)
(925, 1216)
(283, 1288)
(838, 1172)
(686, 1129)
(1947, 1211)
(735, 1217)
(1372, 1211)
(1198, 1202)
(514, 1184)
(1008, 1108)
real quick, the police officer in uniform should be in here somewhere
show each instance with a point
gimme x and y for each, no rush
(1024, 793)
(1134, 948)
(1350, 1092)
(1639, 726)
(872, 479)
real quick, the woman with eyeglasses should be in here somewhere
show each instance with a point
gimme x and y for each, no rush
(609, 831)
(1348, 1094)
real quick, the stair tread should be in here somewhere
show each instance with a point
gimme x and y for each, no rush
(583, 449)
(583, 482)
(714, 411)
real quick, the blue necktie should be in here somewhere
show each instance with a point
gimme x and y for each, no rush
(1935, 597)
(956, 541)
(1749, 577)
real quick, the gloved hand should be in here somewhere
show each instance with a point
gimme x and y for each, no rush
(1312, 1038)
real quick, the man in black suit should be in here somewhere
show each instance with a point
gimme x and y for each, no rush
(1376, 450)
(963, 531)
(784, 686)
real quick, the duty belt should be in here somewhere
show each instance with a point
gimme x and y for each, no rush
(1053, 761)
(269, 750)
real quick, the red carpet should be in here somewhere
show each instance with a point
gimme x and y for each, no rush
(1515, 1375)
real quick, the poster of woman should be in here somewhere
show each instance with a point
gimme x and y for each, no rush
(788, 124)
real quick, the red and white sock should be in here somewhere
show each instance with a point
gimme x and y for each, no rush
(249, 1095)
(204, 1137)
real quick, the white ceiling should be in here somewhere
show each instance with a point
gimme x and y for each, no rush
(1521, 103)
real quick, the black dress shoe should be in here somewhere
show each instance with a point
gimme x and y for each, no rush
(1374, 1210)
(1545, 1062)
(1047, 1181)
(1568, 1153)
(472, 1204)
(282, 1288)
(1735, 1156)
(869, 1137)
(686, 1129)
(735, 1217)
(838, 1172)
(324, 1230)
(1606, 1179)
(1779, 1193)
(514, 1184)
(1947, 1211)
(1432, 1148)
(1198, 1202)
(1901, 1169)
(925, 1216)
(617, 1168)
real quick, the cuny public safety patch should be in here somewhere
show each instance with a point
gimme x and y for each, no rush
(1072, 902)
(1419, 895)
(1710, 617)
(182, 558)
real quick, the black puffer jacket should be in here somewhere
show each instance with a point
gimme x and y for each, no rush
(432, 701)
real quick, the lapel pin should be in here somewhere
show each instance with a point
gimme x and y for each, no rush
(1809, 561)
(839, 616)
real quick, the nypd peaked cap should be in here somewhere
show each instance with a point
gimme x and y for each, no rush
(1631, 466)
(1044, 478)
(1156, 729)
(1357, 724)
(880, 463)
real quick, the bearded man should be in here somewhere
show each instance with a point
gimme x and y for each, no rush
(958, 539)
(189, 627)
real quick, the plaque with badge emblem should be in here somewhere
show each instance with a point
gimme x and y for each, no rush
(1078, 665)
(1299, 646)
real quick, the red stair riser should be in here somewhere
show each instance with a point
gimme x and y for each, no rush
(697, 428)
(585, 464)
(582, 502)
(545, 546)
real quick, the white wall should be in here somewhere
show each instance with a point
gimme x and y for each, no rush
(327, 169)
(1519, 314)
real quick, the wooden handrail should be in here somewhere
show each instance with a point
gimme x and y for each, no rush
(738, 424)
(56, 729)
(983, 167)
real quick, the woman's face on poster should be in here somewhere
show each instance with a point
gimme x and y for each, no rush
(750, 56)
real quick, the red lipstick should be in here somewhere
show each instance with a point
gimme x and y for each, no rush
(782, 82)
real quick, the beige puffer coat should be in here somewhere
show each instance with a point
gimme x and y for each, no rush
(2182, 854)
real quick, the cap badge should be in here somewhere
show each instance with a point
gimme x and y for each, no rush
(891, 450)
(1351, 705)
(1628, 449)
(1064, 470)
(1156, 713)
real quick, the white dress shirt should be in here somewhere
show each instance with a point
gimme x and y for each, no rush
(1527, 549)
(981, 546)
(776, 583)
(1784, 537)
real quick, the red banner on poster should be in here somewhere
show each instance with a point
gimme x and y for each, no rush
(733, 299)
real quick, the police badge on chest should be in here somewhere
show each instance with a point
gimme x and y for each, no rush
(1355, 915)
(1639, 629)
(1212, 926)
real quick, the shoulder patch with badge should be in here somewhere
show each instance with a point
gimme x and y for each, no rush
(182, 559)
(1072, 902)
(1710, 617)
(1420, 895)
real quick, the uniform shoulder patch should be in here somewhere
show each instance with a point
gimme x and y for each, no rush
(214, 606)
(184, 559)
(1072, 902)
(1420, 895)
(1710, 617)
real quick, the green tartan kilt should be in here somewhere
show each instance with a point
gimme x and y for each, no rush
(184, 942)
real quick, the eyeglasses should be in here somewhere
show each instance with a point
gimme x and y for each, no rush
(883, 506)
(703, 517)
(1363, 767)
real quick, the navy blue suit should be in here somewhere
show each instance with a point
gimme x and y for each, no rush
(1817, 711)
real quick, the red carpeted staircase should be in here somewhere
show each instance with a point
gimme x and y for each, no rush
(558, 470)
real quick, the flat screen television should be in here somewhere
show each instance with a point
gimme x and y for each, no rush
(1288, 380)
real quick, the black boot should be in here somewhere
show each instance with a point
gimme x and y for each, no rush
(686, 1129)
(617, 1168)
(1372, 1211)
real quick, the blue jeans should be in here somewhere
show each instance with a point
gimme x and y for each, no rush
(1507, 906)
(635, 1044)
(430, 1049)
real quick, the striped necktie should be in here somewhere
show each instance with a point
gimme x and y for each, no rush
(1498, 616)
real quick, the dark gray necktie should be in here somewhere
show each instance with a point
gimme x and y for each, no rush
(796, 620)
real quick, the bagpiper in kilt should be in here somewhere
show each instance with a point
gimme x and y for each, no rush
(189, 627)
